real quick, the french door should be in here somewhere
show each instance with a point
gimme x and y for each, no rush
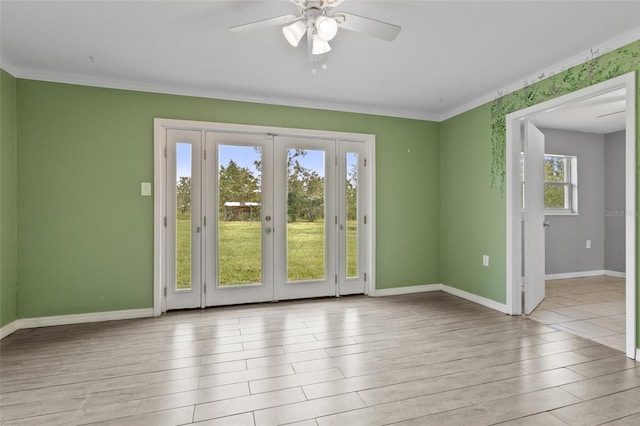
(255, 217)
(238, 194)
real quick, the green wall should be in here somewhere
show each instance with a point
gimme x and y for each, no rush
(86, 234)
(85, 240)
(473, 216)
(8, 199)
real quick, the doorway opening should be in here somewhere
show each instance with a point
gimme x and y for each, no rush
(525, 268)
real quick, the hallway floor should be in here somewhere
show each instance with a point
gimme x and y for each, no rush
(591, 307)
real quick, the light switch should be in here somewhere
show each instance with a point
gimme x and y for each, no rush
(485, 260)
(145, 189)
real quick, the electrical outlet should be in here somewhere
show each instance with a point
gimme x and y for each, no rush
(145, 189)
(485, 260)
(588, 244)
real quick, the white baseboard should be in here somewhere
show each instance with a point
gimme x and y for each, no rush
(500, 307)
(637, 354)
(584, 274)
(74, 319)
(9, 328)
(407, 290)
(442, 287)
(568, 275)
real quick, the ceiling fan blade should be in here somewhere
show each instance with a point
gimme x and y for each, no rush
(271, 22)
(368, 26)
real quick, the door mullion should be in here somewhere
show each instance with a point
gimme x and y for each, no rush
(202, 213)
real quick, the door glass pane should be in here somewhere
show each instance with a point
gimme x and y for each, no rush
(183, 216)
(239, 218)
(352, 214)
(305, 215)
(555, 178)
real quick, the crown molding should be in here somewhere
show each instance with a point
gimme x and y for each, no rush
(111, 83)
(580, 58)
(9, 67)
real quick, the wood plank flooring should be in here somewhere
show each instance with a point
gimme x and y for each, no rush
(420, 359)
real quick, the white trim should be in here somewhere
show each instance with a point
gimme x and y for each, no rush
(111, 83)
(140, 86)
(637, 358)
(580, 58)
(74, 319)
(615, 274)
(631, 205)
(160, 143)
(513, 220)
(9, 67)
(395, 291)
(583, 274)
(370, 210)
(9, 328)
(512, 182)
(579, 274)
(83, 318)
(492, 304)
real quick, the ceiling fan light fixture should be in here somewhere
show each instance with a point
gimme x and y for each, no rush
(319, 46)
(294, 32)
(326, 28)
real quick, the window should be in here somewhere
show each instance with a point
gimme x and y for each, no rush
(560, 184)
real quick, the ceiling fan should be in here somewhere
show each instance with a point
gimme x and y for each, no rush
(316, 20)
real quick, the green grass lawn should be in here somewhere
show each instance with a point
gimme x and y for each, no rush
(240, 260)
(305, 251)
(183, 251)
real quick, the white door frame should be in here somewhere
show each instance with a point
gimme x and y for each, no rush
(514, 242)
(159, 191)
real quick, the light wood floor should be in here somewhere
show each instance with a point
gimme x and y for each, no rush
(591, 307)
(425, 359)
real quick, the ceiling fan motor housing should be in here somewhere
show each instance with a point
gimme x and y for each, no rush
(315, 20)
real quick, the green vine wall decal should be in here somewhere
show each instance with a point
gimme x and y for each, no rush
(596, 69)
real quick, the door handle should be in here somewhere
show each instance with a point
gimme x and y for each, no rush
(198, 230)
(267, 230)
(546, 224)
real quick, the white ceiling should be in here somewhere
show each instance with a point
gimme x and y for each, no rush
(601, 114)
(450, 55)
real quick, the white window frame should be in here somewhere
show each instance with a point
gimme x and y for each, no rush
(570, 186)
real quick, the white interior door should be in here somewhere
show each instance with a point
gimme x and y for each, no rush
(239, 225)
(184, 219)
(534, 220)
(305, 218)
(352, 218)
